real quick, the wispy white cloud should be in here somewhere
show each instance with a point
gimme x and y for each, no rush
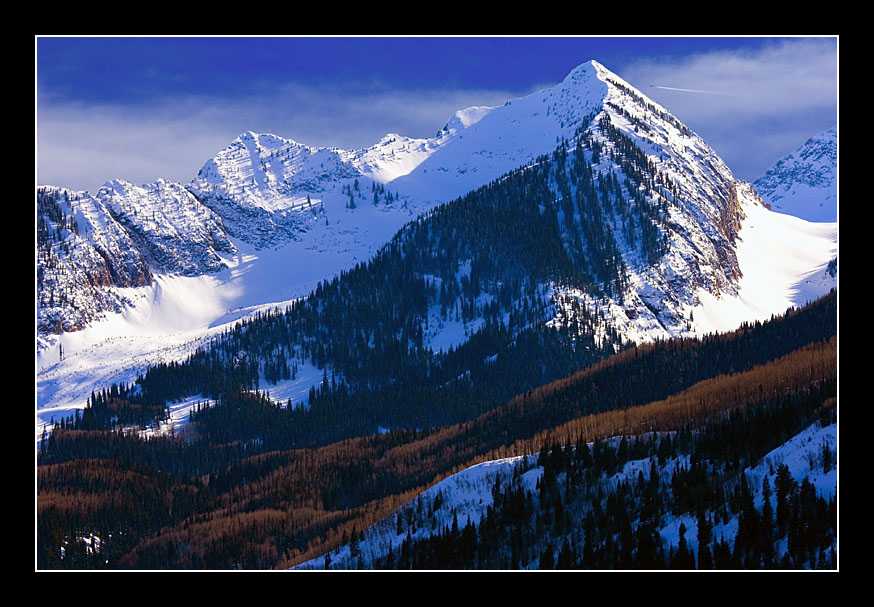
(81, 146)
(673, 88)
(760, 104)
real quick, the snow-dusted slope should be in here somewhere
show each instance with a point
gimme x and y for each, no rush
(268, 218)
(805, 183)
(467, 495)
(486, 144)
(702, 206)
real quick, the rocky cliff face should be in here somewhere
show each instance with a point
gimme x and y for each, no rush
(91, 249)
(172, 228)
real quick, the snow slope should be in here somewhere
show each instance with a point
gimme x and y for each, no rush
(784, 263)
(469, 493)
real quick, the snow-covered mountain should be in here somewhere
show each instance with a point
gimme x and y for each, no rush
(165, 265)
(805, 183)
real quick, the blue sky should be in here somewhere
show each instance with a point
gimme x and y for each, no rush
(142, 108)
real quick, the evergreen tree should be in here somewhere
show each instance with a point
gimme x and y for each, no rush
(684, 558)
(705, 534)
(784, 485)
(354, 544)
(767, 525)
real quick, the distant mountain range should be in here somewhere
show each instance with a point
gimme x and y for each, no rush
(805, 183)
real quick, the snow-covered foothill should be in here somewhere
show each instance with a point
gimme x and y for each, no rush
(466, 495)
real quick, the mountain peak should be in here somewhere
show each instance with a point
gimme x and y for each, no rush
(804, 183)
(589, 70)
(468, 117)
